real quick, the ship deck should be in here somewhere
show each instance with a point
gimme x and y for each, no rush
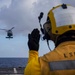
(12, 71)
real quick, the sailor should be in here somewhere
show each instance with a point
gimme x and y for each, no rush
(60, 28)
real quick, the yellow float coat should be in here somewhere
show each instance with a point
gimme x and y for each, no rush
(60, 61)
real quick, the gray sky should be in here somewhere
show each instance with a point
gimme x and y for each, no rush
(23, 15)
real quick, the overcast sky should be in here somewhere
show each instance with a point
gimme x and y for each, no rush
(23, 15)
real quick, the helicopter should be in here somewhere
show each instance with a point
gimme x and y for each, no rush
(9, 32)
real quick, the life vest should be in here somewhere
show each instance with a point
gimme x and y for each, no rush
(60, 61)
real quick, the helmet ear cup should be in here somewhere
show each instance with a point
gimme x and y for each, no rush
(46, 36)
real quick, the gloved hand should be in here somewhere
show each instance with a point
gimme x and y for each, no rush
(33, 40)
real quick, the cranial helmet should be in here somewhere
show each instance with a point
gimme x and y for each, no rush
(60, 20)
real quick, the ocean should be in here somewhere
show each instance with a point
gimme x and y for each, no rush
(13, 62)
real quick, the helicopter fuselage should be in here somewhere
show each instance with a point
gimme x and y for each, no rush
(9, 34)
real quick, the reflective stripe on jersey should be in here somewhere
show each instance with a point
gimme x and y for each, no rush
(62, 65)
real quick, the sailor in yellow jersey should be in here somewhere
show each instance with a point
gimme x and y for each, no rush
(60, 28)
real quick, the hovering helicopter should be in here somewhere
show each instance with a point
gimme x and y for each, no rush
(9, 32)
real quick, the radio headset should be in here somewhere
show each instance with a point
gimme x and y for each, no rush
(46, 36)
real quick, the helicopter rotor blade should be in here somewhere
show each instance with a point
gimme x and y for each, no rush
(4, 29)
(12, 28)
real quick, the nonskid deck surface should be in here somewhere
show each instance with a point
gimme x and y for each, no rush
(13, 71)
